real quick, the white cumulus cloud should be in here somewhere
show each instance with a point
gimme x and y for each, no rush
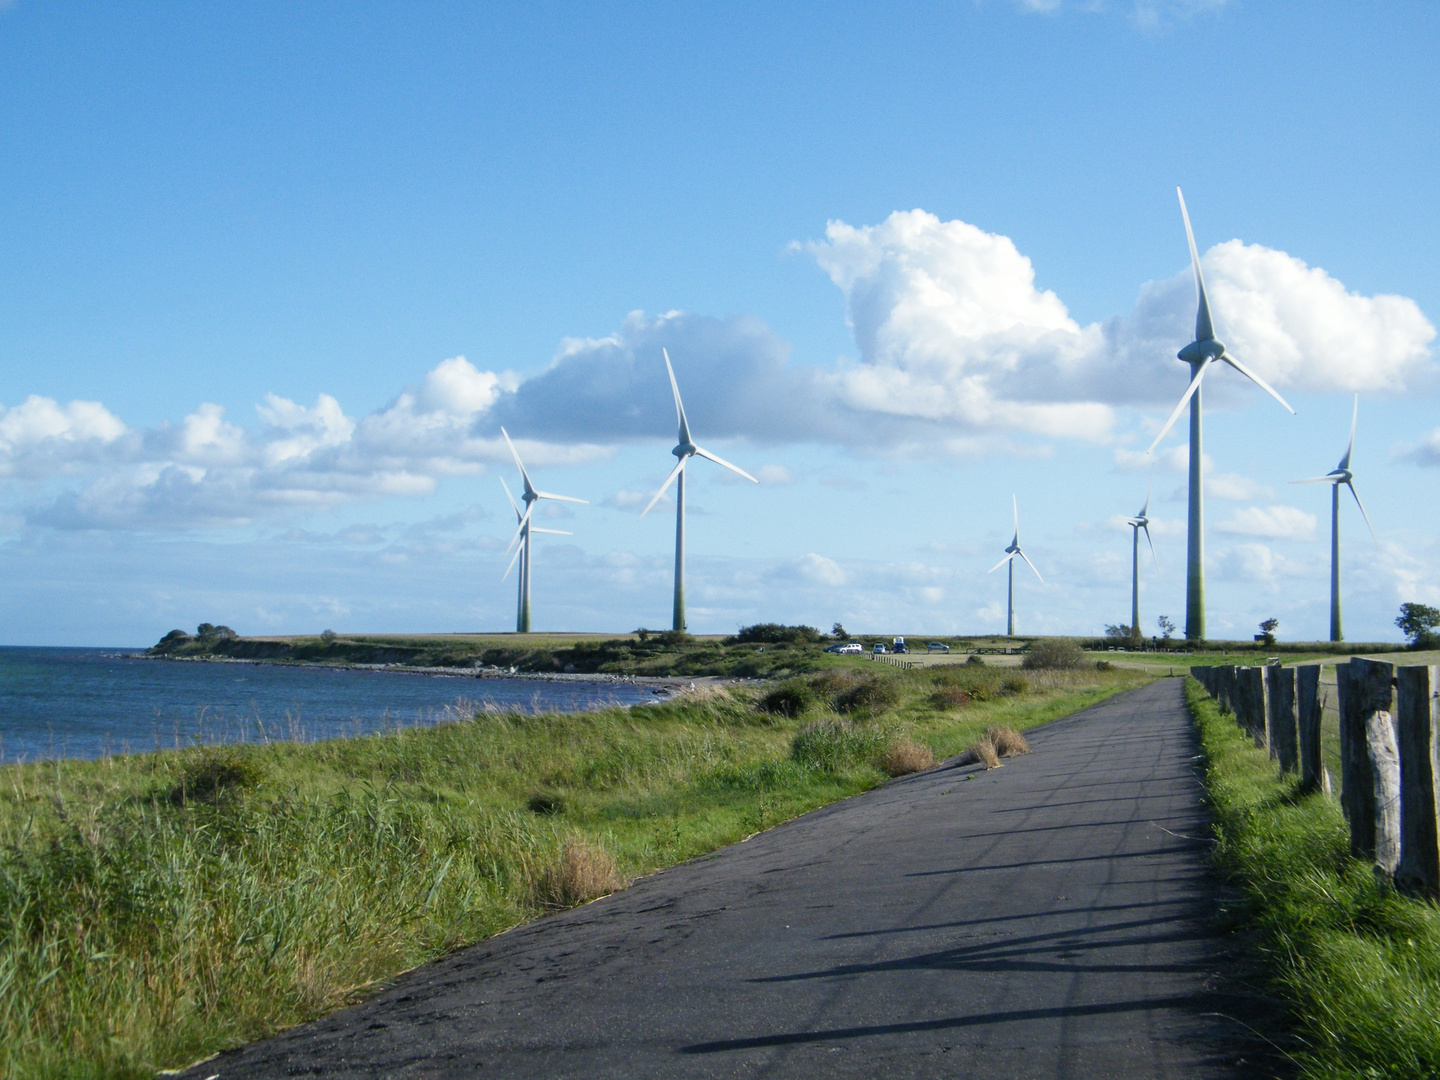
(1276, 522)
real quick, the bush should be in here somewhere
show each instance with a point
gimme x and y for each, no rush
(905, 756)
(831, 745)
(1104, 665)
(975, 660)
(871, 692)
(547, 803)
(328, 636)
(776, 634)
(581, 873)
(215, 772)
(793, 697)
(1053, 653)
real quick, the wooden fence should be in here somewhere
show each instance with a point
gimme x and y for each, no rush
(1389, 751)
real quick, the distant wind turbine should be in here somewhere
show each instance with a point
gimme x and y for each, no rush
(1138, 522)
(1200, 354)
(524, 527)
(685, 449)
(1010, 553)
(1340, 475)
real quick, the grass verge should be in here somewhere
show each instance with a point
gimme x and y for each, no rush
(156, 908)
(1358, 963)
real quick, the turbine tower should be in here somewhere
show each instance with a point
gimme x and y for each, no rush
(1340, 475)
(524, 527)
(1200, 354)
(685, 449)
(1138, 522)
(1010, 553)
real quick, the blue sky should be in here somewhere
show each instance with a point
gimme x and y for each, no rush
(908, 259)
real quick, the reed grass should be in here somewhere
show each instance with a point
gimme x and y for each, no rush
(156, 908)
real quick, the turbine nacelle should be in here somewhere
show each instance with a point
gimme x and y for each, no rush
(1197, 352)
(684, 450)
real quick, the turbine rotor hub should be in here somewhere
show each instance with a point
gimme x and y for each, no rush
(1197, 352)
(684, 450)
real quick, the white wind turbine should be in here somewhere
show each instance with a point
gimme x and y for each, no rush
(1010, 553)
(1138, 522)
(1338, 477)
(685, 449)
(524, 527)
(1200, 354)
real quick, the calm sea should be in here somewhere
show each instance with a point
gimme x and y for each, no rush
(85, 703)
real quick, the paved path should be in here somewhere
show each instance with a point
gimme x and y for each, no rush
(1044, 919)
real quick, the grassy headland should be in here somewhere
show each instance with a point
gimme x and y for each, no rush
(155, 908)
(1358, 963)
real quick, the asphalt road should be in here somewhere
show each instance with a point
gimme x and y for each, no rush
(1044, 919)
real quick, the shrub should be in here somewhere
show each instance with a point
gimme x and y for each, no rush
(975, 660)
(776, 634)
(674, 637)
(871, 692)
(950, 697)
(1007, 741)
(833, 681)
(830, 745)
(1104, 665)
(546, 803)
(905, 756)
(328, 636)
(215, 772)
(793, 697)
(582, 872)
(1056, 653)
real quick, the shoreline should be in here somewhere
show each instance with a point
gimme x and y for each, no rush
(670, 684)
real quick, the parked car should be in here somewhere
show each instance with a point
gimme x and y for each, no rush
(938, 646)
(851, 647)
(900, 645)
(879, 647)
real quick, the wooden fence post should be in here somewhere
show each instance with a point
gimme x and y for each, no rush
(1307, 723)
(1417, 716)
(1225, 674)
(1364, 687)
(1250, 702)
(1384, 762)
(1280, 716)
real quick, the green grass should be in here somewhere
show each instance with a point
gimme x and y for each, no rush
(157, 908)
(1358, 963)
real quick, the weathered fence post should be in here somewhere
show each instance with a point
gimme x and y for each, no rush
(1384, 761)
(1308, 711)
(1417, 720)
(1280, 716)
(1225, 675)
(1365, 689)
(1250, 703)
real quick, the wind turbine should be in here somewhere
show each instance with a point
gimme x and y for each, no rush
(1340, 475)
(1138, 522)
(524, 527)
(1010, 553)
(685, 449)
(1200, 354)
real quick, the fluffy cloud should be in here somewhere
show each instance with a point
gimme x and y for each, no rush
(1426, 451)
(40, 436)
(1276, 522)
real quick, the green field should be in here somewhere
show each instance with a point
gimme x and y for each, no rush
(156, 908)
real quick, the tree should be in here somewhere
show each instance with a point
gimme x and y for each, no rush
(1121, 632)
(1267, 631)
(1418, 623)
(328, 636)
(838, 632)
(1167, 626)
(205, 631)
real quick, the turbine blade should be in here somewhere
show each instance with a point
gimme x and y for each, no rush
(679, 406)
(1204, 329)
(1318, 480)
(518, 463)
(1146, 508)
(666, 485)
(1363, 514)
(1355, 415)
(1001, 563)
(1031, 565)
(1015, 505)
(510, 497)
(521, 527)
(511, 565)
(1255, 379)
(560, 498)
(721, 461)
(1184, 400)
(1146, 527)
(552, 532)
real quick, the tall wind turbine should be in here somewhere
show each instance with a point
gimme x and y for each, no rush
(685, 449)
(1138, 522)
(524, 527)
(1200, 354)
(1340, 475)
(1010, 553)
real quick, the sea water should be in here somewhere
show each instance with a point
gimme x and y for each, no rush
(86, 703)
